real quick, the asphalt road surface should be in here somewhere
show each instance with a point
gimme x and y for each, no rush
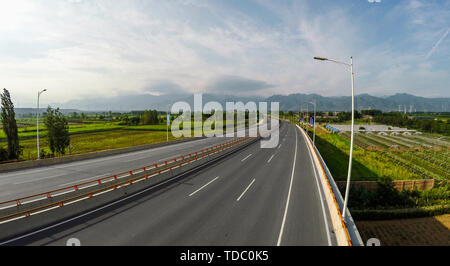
(16, 184)
(256, 196)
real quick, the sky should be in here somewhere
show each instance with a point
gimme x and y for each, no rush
(98, 49)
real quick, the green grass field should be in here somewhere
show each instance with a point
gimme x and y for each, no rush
(97, 141)
(90, 136)
(80, 128)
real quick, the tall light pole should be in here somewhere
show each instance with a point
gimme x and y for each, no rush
(348, 67)
(37, 123)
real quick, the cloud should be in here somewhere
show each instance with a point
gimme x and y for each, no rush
(437, 44)
(89, 47)
(237, 85)
(163, 87)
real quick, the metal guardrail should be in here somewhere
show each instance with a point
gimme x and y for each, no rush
(19, 206)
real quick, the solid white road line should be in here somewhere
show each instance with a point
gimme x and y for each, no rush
(246, 157)
(246, 190)
(320, 194)
(203, 186)
(280, 236)
(270, 159)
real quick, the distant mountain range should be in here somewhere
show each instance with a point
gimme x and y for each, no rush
(400, 101)
(292, 102)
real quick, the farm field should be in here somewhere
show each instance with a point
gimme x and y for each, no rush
(90, 136)
(396, 156)
(98, 141)
(420, 154)
(367, 164)
(29, 131)
(427, 231)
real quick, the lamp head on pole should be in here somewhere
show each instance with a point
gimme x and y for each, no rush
(320, 58)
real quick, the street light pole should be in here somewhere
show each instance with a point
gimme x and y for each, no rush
(350, 69)
(347, 188)
(37, 123)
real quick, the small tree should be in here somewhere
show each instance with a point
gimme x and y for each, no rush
(57, 131)
(10, 126)
(150, 117)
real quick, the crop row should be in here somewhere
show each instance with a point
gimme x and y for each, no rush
(418, 162)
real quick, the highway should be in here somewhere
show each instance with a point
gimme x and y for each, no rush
(255, 196)
(16, 184)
